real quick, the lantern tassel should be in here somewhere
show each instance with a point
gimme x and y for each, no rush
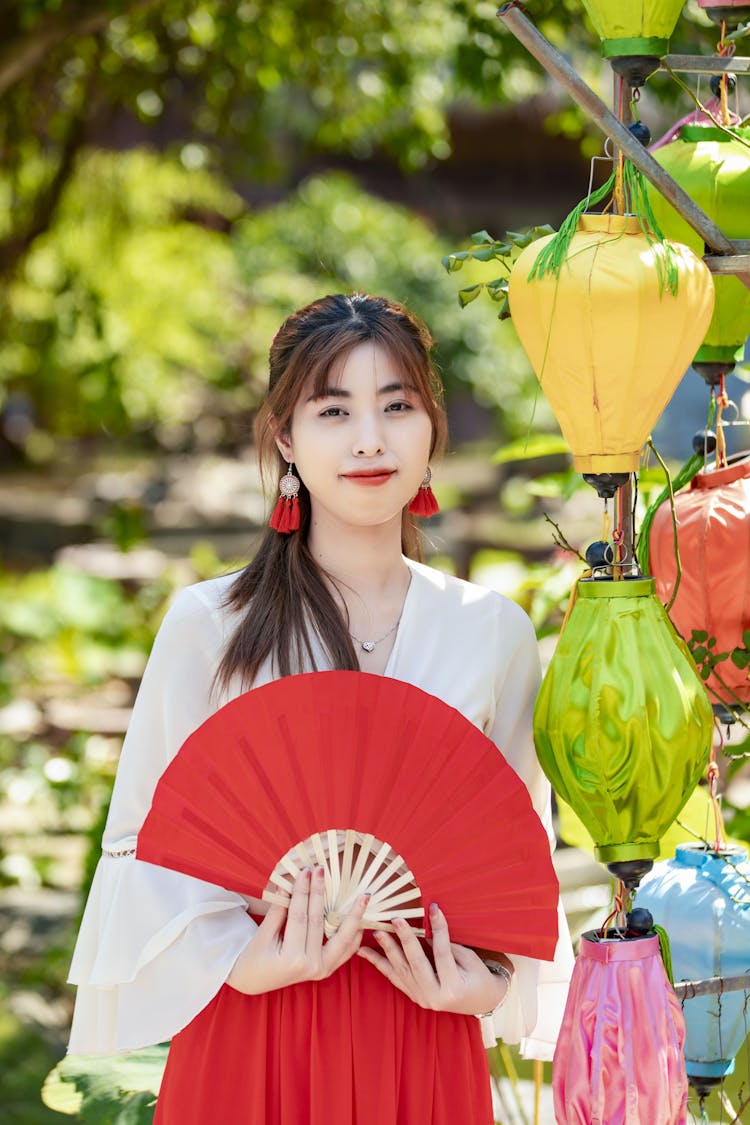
(551, 257)
(666, 952)
(664, 252)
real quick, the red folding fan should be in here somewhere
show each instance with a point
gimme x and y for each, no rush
(390, 789)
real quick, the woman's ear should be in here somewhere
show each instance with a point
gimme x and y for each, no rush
(281, 437)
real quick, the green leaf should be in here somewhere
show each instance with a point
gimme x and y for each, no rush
(453, 262)
(504, 313)
(482, 237)
(536, 445)
(705, 672)
(520, 238)
(466, 296)
(740, 657)
(484, 255)
(112, 1089)
(746, 638)
(699, 635)
(497, 287)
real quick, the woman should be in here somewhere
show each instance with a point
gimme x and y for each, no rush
(269, 1023)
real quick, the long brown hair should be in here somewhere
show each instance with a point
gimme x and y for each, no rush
(282, 591)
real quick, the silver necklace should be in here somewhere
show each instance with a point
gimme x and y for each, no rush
(369, 646)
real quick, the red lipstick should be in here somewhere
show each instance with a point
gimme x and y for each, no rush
(371, 477)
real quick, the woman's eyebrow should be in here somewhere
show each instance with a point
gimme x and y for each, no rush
(339, 392)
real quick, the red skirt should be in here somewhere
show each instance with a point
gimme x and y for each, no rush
(349, 1050)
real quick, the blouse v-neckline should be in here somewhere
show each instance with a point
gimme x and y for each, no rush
(403, 620)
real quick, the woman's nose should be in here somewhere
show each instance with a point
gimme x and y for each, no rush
(369, 441)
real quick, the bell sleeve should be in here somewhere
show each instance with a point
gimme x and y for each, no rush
(155, 945)
(533, 1010)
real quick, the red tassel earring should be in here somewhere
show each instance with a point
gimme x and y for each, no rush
(285, 517)
(424, 503)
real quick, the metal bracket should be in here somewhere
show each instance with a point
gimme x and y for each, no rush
(728, 257)
(707, 64)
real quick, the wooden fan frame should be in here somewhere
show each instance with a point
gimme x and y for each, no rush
(354, 863)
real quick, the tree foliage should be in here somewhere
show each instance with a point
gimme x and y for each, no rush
(271, 84)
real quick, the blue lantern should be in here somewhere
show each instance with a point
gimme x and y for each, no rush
(702, 898)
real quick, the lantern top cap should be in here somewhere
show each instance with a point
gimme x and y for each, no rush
(707, 479)
(610, 224)
(633, 949)
(698, 855)
(642, 587)
(697, 133)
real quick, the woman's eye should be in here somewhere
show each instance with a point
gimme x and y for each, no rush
(398, 407)
(332, 412)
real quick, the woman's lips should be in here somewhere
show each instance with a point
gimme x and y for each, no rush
(371, 478)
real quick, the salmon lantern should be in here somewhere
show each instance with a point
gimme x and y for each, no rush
(634, 35)
(607, 339)
(702, 898)
(622, 723)
(713, 167)
(618, 1058)
(713, 536)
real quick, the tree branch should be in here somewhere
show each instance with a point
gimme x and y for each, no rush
(24, 53)
(13, 248)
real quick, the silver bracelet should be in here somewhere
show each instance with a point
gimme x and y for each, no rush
(498, 970)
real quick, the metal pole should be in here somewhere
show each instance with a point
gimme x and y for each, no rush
(559, 67)
(623, 505)
(712, 986)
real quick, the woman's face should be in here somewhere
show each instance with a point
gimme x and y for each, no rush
(361, 449)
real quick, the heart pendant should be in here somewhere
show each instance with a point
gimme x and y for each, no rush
(368, 646)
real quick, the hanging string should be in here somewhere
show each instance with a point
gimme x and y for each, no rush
(712, 775)
(622, 903)
(722, 402)
(606, 524)
(725, 49)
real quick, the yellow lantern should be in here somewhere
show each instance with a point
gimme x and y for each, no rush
(634, 34)
(608, 340)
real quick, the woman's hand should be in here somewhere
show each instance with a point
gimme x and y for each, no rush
(273, 959)
(460, 981)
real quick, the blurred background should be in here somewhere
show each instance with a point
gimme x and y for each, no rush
(176, 176)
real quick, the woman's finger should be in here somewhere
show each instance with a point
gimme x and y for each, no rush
(445, 962)
(416, 958)
(295, 934)
(316, 912)
(272, 924)
(347, 939)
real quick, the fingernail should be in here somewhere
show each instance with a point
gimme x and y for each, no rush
(434, 908)
(378, 936)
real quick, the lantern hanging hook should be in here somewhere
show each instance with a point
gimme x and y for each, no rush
(608, 158)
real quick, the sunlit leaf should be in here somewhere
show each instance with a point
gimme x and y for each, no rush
(536, 445)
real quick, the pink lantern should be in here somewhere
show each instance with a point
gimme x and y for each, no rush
(731, 12)
(619, 1056)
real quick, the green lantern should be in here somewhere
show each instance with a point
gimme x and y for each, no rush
(714, 169)
(634, 33)
(623, 725)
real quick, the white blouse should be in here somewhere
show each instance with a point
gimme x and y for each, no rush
(155, 945)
